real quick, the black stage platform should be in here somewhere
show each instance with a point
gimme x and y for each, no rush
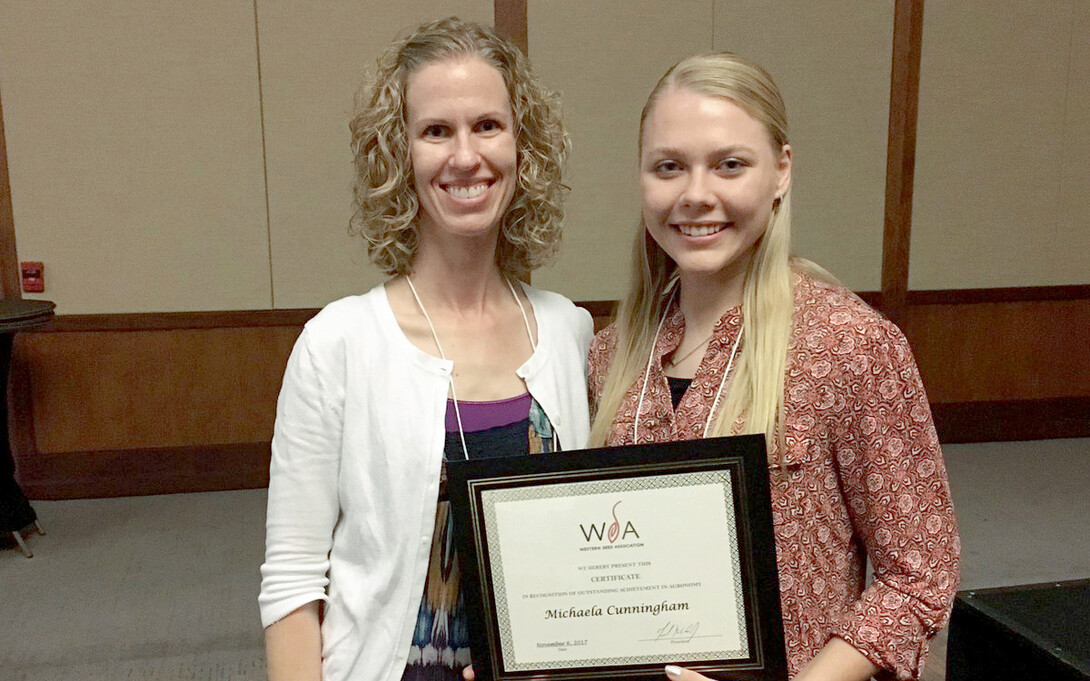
(1036, 631)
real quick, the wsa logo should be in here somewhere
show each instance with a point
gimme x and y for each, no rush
(613, 532)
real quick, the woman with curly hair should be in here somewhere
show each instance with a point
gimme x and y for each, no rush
(458, 152)
(722, 333)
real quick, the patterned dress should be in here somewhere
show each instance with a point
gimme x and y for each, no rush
(440, 645)
(861, 477)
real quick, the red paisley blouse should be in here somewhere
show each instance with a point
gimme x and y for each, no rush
(862, 475)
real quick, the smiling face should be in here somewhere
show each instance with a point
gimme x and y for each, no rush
(709, 174)
(462, 145)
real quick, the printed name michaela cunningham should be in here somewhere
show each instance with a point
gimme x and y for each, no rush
(598, 611)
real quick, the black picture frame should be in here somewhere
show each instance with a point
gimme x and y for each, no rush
(744, 458)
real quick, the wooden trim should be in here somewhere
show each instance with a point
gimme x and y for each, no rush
(1012, 420)
(173, 321)
(509, 17)
(10, 285)
(603, 311)
(606, 308)
(230, 319)
(872, 298)
(20, 405)
(233, 319)
(19, 412)
(133, 472)
(1022, 294)
(901, 153)
(599, 308)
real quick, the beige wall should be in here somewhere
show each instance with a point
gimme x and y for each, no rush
(134, 139)
(134, 150)
(832, 60)
(1002, 187)
(313, 58)
(606, 56)
(138, 170)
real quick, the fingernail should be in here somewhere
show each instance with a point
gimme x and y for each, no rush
(672, 671)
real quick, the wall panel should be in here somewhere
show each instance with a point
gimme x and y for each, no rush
(604, 58)
(313, 58)
(187, 402)
(134, 151)
(989, 352)
(1074, 200)
(1000, 194)
(831, 60)
(116, 390)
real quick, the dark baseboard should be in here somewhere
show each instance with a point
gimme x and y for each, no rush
(1012, 420)
(174, 321)
(135, 472)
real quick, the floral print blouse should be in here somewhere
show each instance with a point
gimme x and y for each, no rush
(862, 475)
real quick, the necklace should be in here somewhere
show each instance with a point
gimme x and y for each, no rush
(647, 373)
(439, 346)
(674, 361)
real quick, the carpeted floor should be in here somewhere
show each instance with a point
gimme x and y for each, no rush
(164, 588)
(160, 587)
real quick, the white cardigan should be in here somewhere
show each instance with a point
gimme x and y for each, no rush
(356, 456)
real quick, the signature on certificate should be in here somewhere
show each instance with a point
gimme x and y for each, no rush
(677, 633)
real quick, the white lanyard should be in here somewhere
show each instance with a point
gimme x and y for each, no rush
(435, 337)
(647, 373)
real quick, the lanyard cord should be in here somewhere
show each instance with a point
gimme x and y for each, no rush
(647, 373)
(722, 382)
(439, 346)
(525, 318)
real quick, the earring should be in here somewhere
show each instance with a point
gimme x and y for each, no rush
(776, 202)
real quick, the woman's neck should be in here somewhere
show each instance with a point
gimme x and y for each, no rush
(460, 276)
(705, 299)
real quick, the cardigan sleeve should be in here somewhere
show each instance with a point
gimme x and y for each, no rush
(584, 327)
(898, 497)
(303, 504)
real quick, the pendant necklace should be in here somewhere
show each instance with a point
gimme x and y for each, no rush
(674, 361)
(647, 373)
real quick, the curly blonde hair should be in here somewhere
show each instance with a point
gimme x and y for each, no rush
(386, 201)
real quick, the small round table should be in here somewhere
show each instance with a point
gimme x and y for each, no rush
(16, 514)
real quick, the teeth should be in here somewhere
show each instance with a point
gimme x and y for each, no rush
(700, 230)
(467, 192)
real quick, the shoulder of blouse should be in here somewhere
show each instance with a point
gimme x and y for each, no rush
(605, 342)
(600, 355)
(829, 305)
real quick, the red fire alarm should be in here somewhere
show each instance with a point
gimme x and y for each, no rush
(33, 277)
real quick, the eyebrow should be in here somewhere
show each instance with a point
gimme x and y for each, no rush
(497, 114)
(717, 153)
(438, 120)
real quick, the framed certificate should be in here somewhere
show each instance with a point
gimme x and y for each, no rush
(611, 563)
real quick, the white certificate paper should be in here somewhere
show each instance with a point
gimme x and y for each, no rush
(617, 571)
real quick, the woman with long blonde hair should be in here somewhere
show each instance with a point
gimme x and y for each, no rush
(722, 333)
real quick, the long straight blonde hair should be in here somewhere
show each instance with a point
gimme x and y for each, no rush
(755, 398)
